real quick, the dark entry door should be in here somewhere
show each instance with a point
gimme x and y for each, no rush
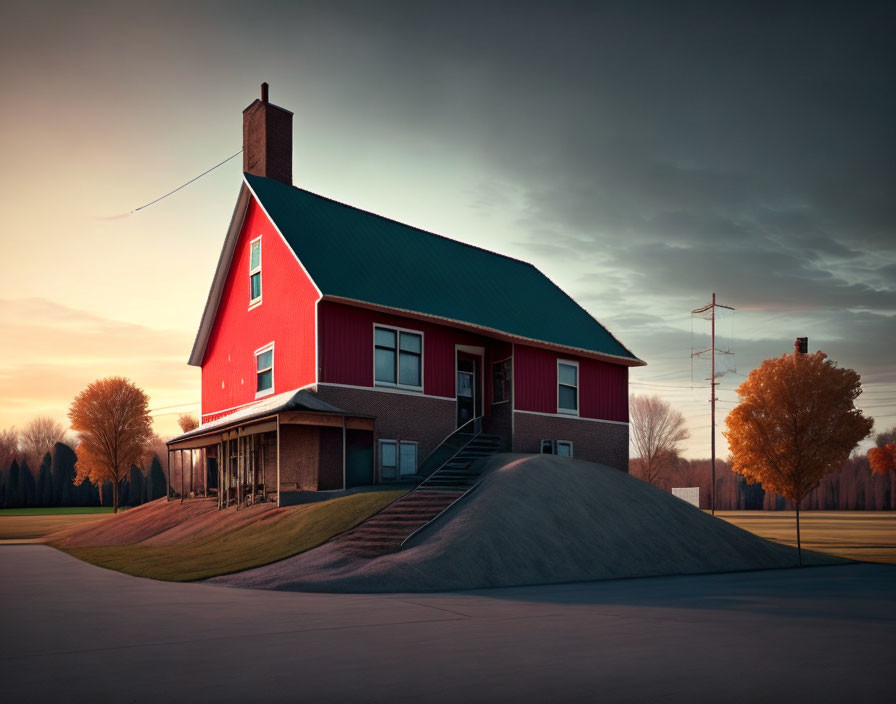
(469, 400)
(358, 458)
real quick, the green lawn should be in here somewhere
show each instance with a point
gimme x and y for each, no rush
(260, 543)
(55, 511)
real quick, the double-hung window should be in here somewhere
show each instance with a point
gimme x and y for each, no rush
(397, 459)
(255, 272)
(398, 357)
(264, 371)
(568, 387)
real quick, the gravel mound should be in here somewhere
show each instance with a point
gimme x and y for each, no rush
(540, 519)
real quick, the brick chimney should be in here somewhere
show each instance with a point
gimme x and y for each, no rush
(267, 139)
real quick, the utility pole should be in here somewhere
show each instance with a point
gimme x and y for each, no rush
(712, 384)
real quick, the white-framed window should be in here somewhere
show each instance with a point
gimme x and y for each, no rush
(561, 448)
(567, 387)
(264, 370)
(407, 458)
(255, 272)
(397, 459)
(397, 357)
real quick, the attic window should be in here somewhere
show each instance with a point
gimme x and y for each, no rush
(568, 387)
(255, 272)
(398, 358)
(264, 370)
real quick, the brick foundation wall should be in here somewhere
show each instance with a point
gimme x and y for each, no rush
(500, 422)
(605, 443)
(299, 457)
(330, 457)
(421, 419)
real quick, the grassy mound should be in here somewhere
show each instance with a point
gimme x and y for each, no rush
(539, 519)
(189, 541)
(55, 511)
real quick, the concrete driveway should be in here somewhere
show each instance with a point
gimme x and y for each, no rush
(74, 632)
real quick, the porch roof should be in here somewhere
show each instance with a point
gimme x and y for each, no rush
(295, 400)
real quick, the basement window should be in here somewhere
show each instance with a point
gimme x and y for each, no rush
(561, 448)
(568, 387)
(397, 459)
(255, 272)
(398, 358)
(264, 370)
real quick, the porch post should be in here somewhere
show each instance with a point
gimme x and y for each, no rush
(181, 476)
(167, 477)
(226, 471)
(239, 470)
(192, 488)
(278, 460)
(264, 484)
(344, 484)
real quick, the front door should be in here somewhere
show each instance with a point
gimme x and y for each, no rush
(469, 401)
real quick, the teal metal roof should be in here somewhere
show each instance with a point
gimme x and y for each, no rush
(354, 254)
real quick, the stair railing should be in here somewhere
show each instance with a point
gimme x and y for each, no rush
(449, 448)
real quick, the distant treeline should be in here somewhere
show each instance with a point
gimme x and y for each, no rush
(853, 488)
(53, 483)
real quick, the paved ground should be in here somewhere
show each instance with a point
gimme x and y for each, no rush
(74, 632)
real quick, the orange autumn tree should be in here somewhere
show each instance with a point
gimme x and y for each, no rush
(882, 459)
(796, 422)
(111, 417)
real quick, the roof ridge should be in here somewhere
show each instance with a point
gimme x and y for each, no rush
(397, 222)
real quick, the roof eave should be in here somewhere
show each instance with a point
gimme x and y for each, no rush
(493, 332)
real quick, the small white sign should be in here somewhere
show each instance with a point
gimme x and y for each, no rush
(691, 494)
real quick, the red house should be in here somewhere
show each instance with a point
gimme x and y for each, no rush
(340, 348)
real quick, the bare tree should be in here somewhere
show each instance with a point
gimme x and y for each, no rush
(9, 447)
(657, 429)
(187, 422)
(39, 437)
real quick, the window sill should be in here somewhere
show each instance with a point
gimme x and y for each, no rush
(566, 412)
(254, 304)
(400, 387)
(266, 392)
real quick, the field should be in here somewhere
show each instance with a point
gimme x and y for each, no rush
(33, 523)
(869, 536)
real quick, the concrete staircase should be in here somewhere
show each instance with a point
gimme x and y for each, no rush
(387, 530)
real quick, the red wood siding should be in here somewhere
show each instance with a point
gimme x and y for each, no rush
(603, 387)
(346, 347)
(285, 317)
(534, 380)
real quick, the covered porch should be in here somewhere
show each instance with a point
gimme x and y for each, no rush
(276, 450)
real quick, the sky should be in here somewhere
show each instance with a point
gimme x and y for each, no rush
(642, 154)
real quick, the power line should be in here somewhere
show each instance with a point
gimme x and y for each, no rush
(662, 386)
(152, 202)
